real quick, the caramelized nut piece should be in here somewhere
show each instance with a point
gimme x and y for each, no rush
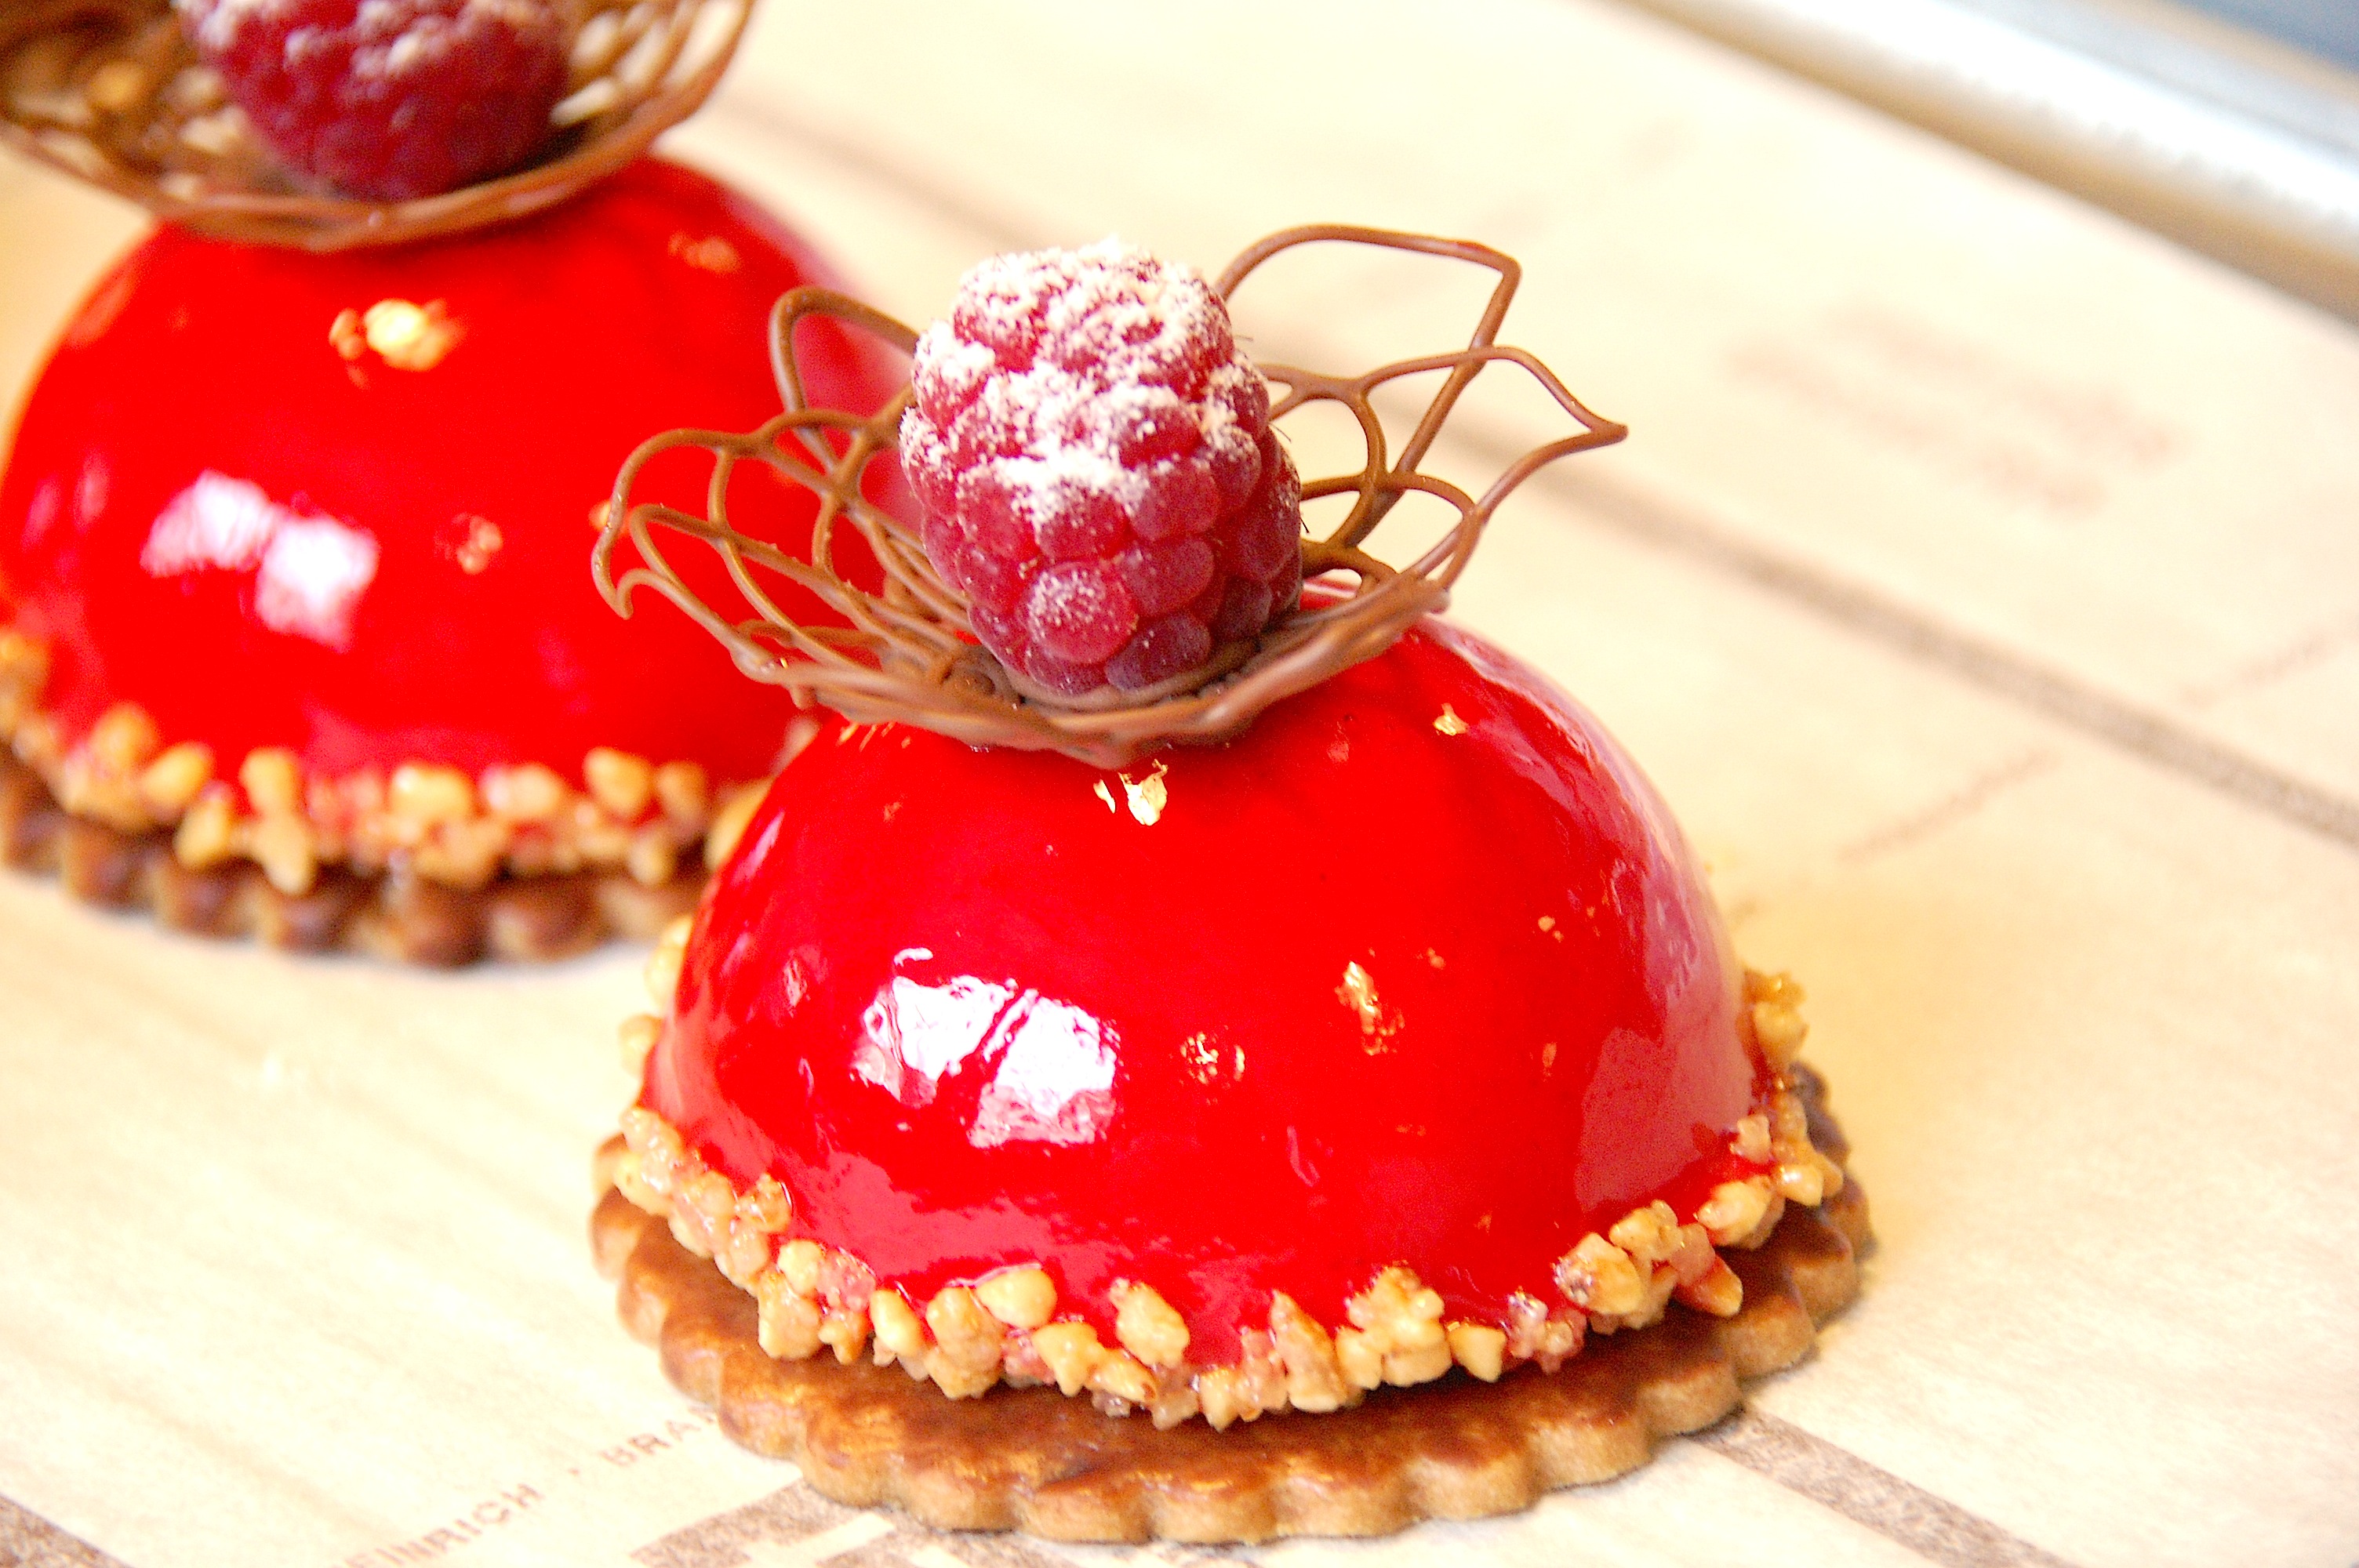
(1780, 1031)
(966, 1339)
(1261, 1377)
(38, 741)
(764, 1207)
(427, 795)
(463, 853)
(1398, 1309)
(602, 1165)
(730, 822)
(1767, 1226)
(700, 1212)
(87, 789)
(1480, 1349)
(23, 670)
(529, 792)
(1659, 1284)
(1751, 1142)
(1649, 1234)
(1734, 1210)
(788, 1326)
(207, 835)
(600, 843)
(1147, 1325)
(684, 794)
(1417, 1363)
(662, 973)
(799, 1260)
(955, 1378)
(653, 856)
(1216, 1396)
(174, 780)
(1775, 1016)
(1020, 1298)
(627, 1173)
(1717, 1290)
(281, 846)
(640, 1031)
(1314, 1379)
(273, 783)
(1072, 1351)
(646, 1132)
(1798, 1180)
(1694, 1257)
(620, 782)
(1599, 1278)
(124, 739)
(1118, 1375)
(1357, 1354)
(845, 1332)
(1535, 1334)
(1175, 1401)
(741, 1250)
(899, 1331)
(1021, 1365)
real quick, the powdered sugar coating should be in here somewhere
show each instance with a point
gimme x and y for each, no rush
(1094, 457)
(390, 99)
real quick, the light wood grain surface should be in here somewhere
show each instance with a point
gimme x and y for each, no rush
(1980, 583)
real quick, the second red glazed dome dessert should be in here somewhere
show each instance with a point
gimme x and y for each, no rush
(291, 547)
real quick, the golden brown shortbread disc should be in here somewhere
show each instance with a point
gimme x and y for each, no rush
(1033, 1459)
(411, 919)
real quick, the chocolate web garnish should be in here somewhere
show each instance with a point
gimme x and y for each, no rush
(112, 90)
(906, 654)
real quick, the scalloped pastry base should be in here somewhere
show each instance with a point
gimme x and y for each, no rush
(1034, 1460)
(405, 918)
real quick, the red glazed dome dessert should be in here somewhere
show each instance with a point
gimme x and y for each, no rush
(290, 552)
(1401, 1032)
(1386, 1037)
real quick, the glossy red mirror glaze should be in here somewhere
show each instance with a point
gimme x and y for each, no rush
(1360, 987)
(273, 518)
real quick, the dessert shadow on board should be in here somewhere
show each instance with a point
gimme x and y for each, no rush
(1210, 1050)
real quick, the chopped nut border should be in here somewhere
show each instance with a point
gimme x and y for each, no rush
(1005, 1326)
(626, 812)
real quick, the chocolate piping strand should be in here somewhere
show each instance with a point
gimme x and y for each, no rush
(908, 653)
(105, 89)
(1373, 505)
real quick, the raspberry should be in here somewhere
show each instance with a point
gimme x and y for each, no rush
(1094, 458)
(389, 99)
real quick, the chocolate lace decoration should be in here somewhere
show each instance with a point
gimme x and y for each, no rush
(907, 655)
(113, 91)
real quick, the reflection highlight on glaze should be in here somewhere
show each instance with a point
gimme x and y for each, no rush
(216, 521)
(1054, 1064)
(312, 571)
(914, 1035)
(1055, 1084)
(313, 574)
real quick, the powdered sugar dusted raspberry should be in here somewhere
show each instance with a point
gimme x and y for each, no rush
(1094, 457)
(390, 99)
